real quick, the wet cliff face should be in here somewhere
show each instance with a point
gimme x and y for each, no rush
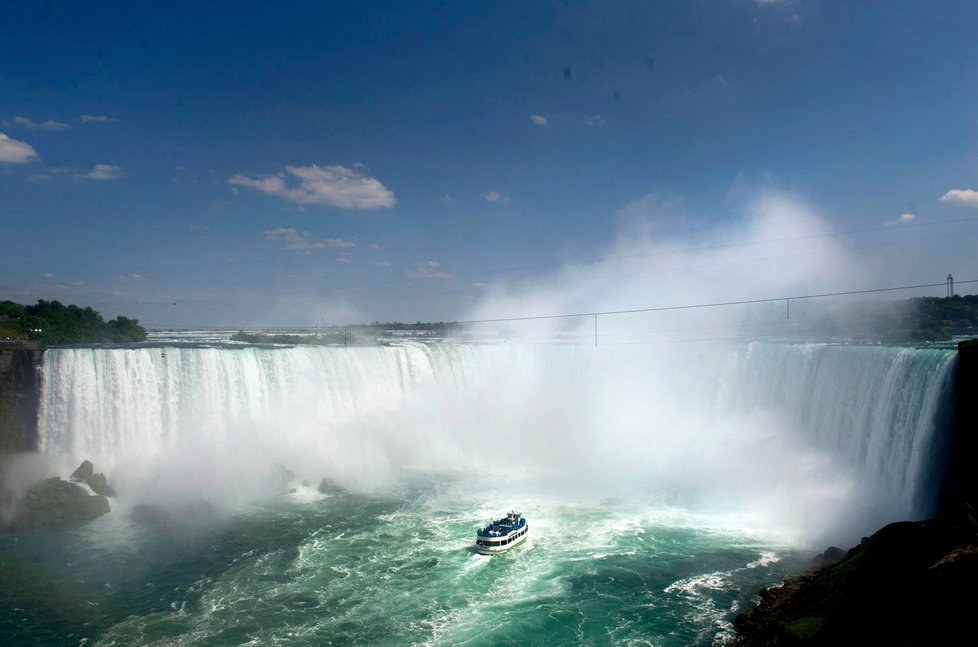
(19, 389)
(959, 493)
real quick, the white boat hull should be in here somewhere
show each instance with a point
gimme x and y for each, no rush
(489, 548)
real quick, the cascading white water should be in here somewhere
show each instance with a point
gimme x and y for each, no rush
(812, 425)
(874, 406)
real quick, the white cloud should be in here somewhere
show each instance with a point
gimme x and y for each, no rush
(103, 172)
(127, 278)
(496, 196)
(103, 119)
(374, 246)
(902, 219)
(48, 275)
(383, 263)
(539, 120)
(50, 124)
(16, 152)
(344, 260)
(335, 186)
(594, 120)
(480, 285)
(301, 240)
(428, 270)
(447, 199)
(961, 196)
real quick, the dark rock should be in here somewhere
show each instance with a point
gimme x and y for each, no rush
(86, 474)
(84, 471)
(831, 555)
(283, 478)
(329, 486)
(100, 485)
(911, 583)
(54, 502)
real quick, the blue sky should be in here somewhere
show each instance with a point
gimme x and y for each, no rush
(245, 164)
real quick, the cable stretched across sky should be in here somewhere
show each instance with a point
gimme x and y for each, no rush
(719, 304)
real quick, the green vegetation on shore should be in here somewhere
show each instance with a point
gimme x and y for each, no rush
(937, 318)
(54, 323)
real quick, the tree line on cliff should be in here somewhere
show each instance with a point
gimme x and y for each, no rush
(52, 322)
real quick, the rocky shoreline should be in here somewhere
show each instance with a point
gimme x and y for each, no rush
(910, 583)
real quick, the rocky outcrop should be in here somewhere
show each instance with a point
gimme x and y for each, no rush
(911, 583)
(86, 474)
(329, 486)
(956, 482)
(54, 502)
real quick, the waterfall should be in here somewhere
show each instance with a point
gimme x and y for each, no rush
(875, 407)
(715, 420)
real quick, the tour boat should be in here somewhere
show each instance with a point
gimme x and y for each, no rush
(501, 535)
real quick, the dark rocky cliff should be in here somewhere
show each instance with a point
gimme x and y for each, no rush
(957, 491)
(19, 390)
(911, 583)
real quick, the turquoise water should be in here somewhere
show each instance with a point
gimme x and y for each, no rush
(392, 569)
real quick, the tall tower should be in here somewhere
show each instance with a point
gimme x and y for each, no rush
(950, 286)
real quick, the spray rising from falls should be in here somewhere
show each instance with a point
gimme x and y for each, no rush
(812, 434)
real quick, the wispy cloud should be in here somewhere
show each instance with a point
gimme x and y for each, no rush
(129, 278)
(428, 270)
(902, 219)
(382, 263)
(302, 240)
(967, 197)
(101, 119)
(50, 124)
(48, 275)
(539, 120)
(344, 260)
(496, 196)
(447, 199)
(335, 186)
(594, 120)
(103, 172)
(13, 151)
